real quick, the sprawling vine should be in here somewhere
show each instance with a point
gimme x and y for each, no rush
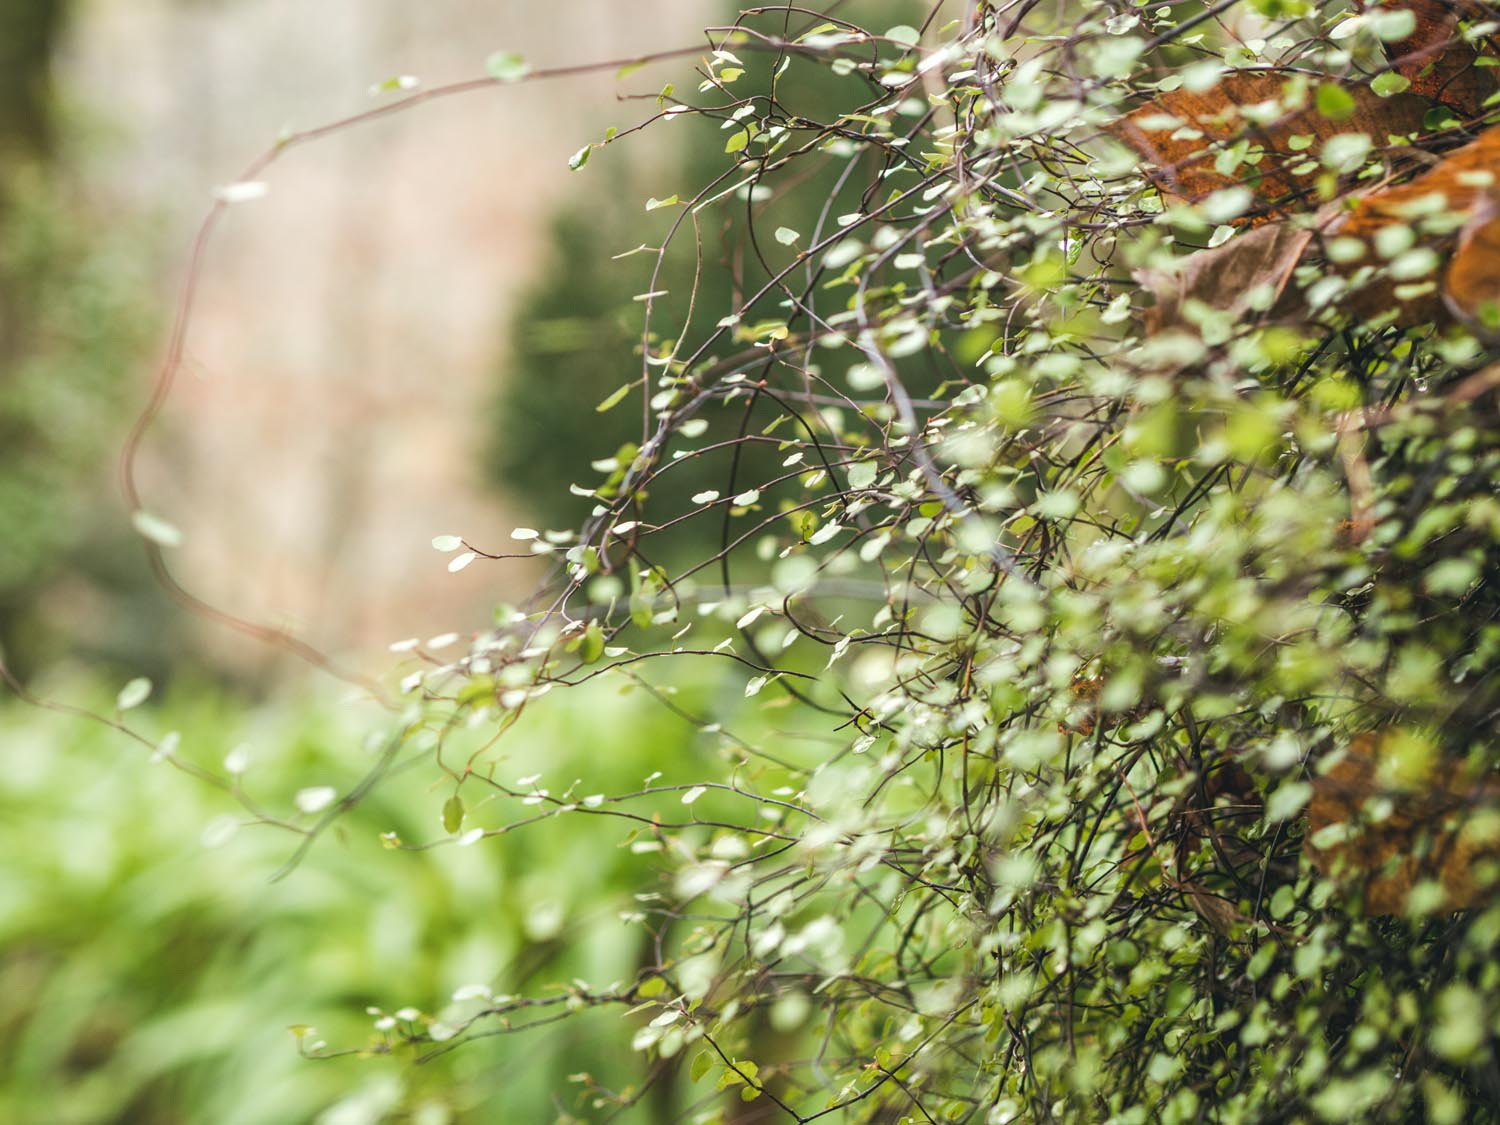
(1102, 542)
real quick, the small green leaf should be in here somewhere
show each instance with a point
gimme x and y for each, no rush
(901, 33)
(156, 529)
(396, 82)
(737, 142)
(447, 543)
(614, 399)
(1335, 103)
(1389, 83)
(1393, 24)
(701, 1066)
(242, 192)
(1458, 1026)
(580, 158)
(862, 474)
(641, 611)
(506, 66)
(315, 798)
(653, 203)
(591, 646)
(786, 235)
(133, 694)
(738, 1072)
(1346, 152)
(453, 814)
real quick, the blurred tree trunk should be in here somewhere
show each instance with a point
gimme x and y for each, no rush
(29, 33)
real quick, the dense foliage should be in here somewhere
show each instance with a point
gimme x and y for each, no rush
(580, 317)
(1102, 604)
(1113, 632)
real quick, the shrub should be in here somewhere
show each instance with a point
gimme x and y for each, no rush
(1116, 625)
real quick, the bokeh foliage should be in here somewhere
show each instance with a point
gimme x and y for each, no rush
(152, 967)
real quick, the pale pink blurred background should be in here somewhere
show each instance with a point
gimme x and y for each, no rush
(351, 323)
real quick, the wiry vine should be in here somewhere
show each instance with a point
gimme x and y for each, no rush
(1102, 531)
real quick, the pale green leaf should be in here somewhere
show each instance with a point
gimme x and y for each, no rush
(133, 694)
(506, 66)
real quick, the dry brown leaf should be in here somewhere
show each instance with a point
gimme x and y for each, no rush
(1086, 690)
(1222, 916)
(1439, 64)
(1472, 284)
(1466, 179)
(1183, 152)
(1263, 258)
(1183, 132)
(1463, 177)
(1252, 268)
(1430, 833)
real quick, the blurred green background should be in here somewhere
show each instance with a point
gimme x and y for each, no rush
(152, 968)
